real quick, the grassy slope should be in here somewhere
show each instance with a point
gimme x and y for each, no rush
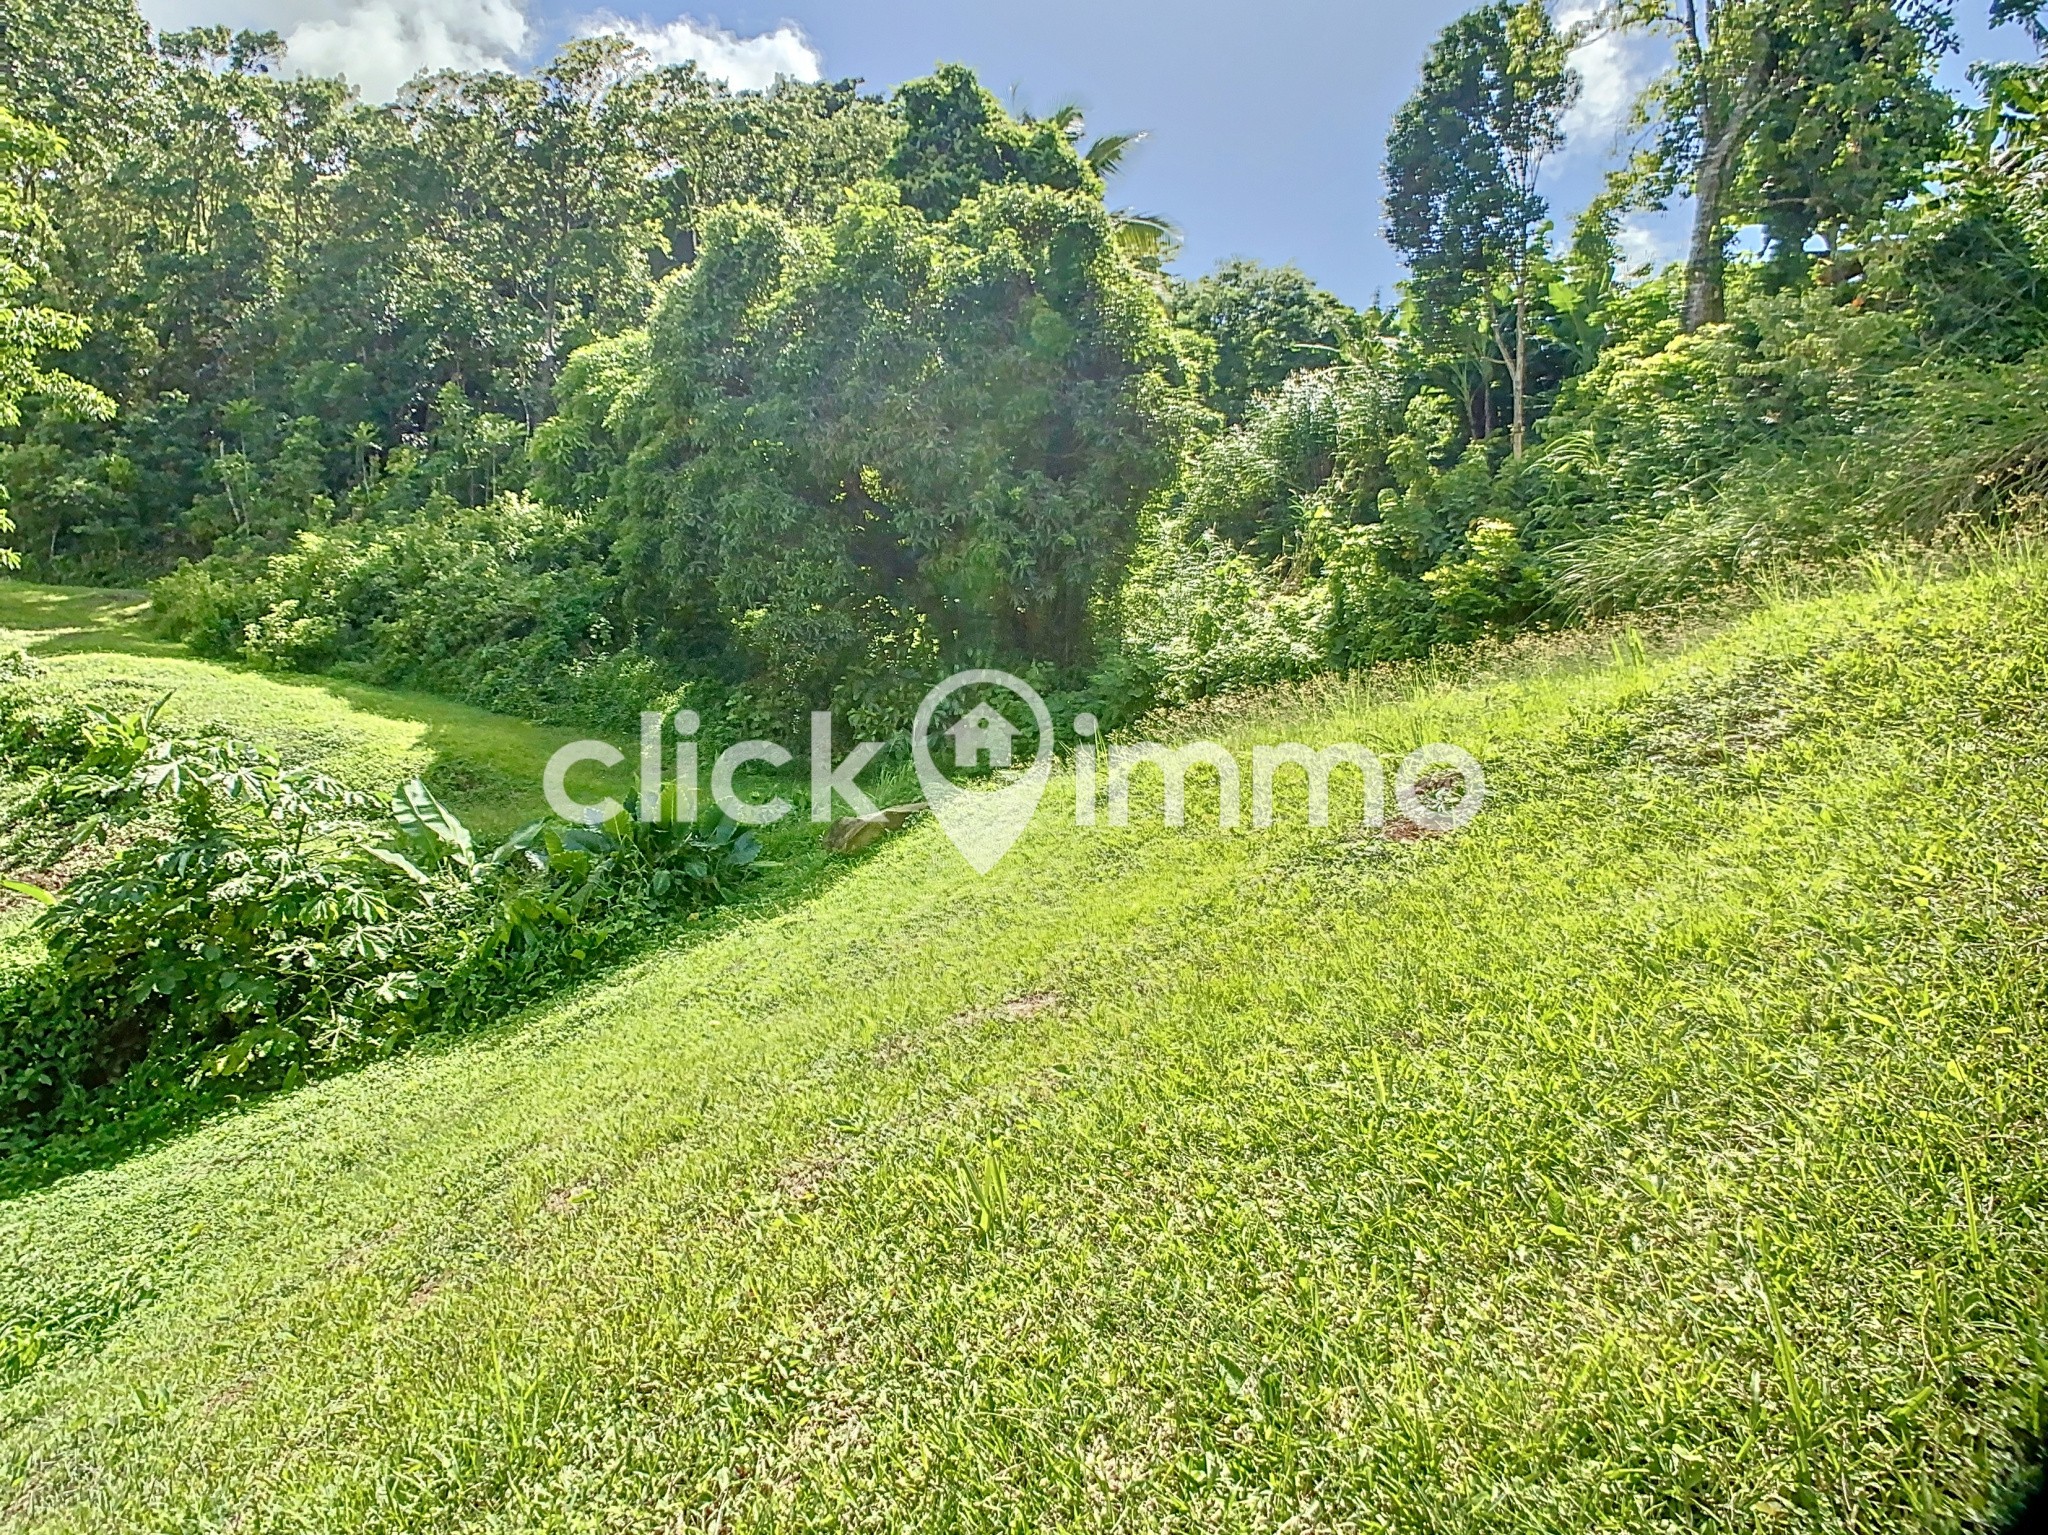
(98, 645)
(1666, 1150)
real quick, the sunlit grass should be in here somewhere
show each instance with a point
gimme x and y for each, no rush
(96, 646)
(1667, 1150)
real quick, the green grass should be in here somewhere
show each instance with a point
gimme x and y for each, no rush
(1665, 1151)
(98, 646)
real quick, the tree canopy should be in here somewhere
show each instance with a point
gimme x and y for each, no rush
(897, 440)
(1258, 325)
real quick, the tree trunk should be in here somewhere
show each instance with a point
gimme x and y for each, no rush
(1515, 360)
(1707, 253)
(1519, 374)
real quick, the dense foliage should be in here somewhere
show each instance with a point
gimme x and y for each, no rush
(895, 446)
(607, 386)
(249, 923)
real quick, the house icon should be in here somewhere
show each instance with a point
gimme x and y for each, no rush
(982, 729)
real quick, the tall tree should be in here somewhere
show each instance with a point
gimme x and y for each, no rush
(900, 440)
(1808, 114)
(29, 331)
(1462, 165)
(957, 139)
(1262, 324)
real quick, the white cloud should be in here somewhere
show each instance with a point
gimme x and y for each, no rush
(744, 63)
(380, 45)
(1643, 244)
(377, 44)
(1613, 69)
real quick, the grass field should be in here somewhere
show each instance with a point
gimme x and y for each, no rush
(1664, 1151)
(98, 645)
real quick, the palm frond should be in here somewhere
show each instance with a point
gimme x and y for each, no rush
(1148, 239)
(1105, 156)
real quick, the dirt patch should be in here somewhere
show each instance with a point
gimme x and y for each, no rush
(1401, 829)
(561, 1201)
(897, 1049)
(1015, 1010)
(806, 1176)
(52, 875)
(234, 1392)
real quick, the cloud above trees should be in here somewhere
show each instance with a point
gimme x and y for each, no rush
(744, 63)
(380, 44)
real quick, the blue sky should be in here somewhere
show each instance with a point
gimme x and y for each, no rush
(1266, 124)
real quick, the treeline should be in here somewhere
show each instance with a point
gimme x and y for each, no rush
(576, 393)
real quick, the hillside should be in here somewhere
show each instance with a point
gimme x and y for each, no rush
(1665, 1150)
(98, 646)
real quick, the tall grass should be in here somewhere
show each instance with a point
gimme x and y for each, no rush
(1951, 451)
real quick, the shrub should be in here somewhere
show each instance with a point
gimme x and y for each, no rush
(512, 607)
(1203, 617)
(1952, 448)
(265, 923)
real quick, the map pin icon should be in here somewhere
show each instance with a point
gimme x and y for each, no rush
(982, 823)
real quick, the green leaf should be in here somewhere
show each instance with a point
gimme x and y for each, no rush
(419, 814)
(399, 862)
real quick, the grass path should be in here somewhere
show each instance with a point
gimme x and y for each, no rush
(98, 645)
(1667, 1150)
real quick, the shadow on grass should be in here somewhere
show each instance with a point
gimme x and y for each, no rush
(68, 620)
(489, 765)
(65, 1154)
(2027, 1505)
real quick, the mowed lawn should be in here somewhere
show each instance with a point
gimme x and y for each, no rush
(99, 647)
(1664, 1151)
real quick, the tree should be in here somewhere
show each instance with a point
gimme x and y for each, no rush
(894, 443)
(1150, 240)
(282, 281)
(957, 139)
(1810, 113)
(27, 330)
(1263, 324)
(1463, 159)
(79, 68)
(1855, 133)
(794, 147)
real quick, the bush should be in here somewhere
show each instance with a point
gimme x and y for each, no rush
(511, 607)
(1952, 449)
(264, 923)
(1202, 617)
(1335, 527)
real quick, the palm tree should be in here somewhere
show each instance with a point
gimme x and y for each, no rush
(1148, 240)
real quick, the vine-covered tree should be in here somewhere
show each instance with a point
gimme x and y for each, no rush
(1463, 159)
(1261, 324)
(906, 438)
(1809, 115)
